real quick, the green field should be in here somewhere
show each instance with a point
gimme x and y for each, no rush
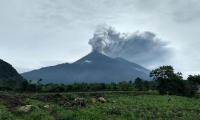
(119, 106)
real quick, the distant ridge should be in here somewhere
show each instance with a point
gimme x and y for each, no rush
(94, 67)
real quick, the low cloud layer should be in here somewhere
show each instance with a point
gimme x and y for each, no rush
(139, 47)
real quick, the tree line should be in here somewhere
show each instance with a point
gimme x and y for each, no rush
(139, 84)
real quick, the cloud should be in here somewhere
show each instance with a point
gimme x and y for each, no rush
(185, 11)
(139, 47)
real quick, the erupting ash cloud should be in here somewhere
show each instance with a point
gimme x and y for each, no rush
(138, 47)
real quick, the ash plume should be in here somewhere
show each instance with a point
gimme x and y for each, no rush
(140, 47)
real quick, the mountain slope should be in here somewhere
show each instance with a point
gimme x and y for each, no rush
(94, 67)
(7, 71)
(133, 65)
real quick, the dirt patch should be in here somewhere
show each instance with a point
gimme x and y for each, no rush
(53, 98)
(11, 101)
(96, 95)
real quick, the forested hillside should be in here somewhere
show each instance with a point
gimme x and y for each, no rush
(8, 74)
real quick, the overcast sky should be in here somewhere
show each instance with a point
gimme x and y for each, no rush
(40, 33)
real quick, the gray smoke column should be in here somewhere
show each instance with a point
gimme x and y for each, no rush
(137, 47)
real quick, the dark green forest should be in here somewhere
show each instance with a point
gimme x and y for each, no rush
(9, 77)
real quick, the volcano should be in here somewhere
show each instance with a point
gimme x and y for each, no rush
(94, 67)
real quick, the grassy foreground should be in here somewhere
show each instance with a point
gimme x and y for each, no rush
(119, 106)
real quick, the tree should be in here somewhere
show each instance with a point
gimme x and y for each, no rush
(195, 79)
(39, 85)
(103, 86)
(194, 82)
(24, 85)
(69, 87)
(1, 82)
(190, 89)
(139, 84)
(84, 86)
(60, 88)
(166, 79)
(125, 86)
(146, 85)
(11, 82)
(39, 81)
(32, 87)
(176, 85)
(113, 86)
(130, 82)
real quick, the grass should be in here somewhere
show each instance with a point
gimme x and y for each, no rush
(120, 106)
(4, 113)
